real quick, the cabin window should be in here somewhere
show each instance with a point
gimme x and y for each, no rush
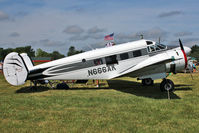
(111, 60)
(144, 52)
(137, 53)
(124, 56)
(98, 61)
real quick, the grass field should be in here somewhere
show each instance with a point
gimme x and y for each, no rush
(120, 105)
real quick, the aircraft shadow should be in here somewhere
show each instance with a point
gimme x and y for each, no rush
(138, 89)
(130, 87)
(32, 89)
(183, 87)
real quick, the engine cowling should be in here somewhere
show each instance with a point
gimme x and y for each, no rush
(178, 63)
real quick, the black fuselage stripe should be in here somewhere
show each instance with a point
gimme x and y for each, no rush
(15, 64)
(23, 62)
(15, 59)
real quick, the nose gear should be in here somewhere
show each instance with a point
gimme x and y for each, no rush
(167, 85)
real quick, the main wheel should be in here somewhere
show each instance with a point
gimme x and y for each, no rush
(147, 81)
(167, 85)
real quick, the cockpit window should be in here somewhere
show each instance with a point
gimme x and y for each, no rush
(149, 42)
(156, 47)
(161, 46)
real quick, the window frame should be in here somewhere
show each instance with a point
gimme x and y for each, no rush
(124, 56)
(137, 53)
(113, 60)
(98, 61)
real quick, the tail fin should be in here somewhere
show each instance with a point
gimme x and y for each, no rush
(16, 68)
(28, 62)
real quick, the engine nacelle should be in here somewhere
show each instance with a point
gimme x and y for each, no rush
(178, 63)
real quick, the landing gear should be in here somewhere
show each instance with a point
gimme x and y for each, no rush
(147, 81)
(167, 85)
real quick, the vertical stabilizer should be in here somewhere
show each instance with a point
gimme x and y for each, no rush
(28, 62)
(15, 69)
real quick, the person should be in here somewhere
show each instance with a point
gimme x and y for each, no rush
(194, 67)
(1, 67)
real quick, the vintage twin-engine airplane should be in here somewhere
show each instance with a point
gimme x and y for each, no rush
(144, 59)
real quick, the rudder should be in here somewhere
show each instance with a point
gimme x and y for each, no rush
(16, 68)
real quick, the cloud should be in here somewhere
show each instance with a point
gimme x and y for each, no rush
(182, 34)
(92, 33)
(14, 34)
(124, 36)
(49, 43)
(73, 29)
(95, 30)
(153, 34)
(171, 13)
(186, 41)
(3, 16)
(86, 37)
(190, 41)
(79, 38)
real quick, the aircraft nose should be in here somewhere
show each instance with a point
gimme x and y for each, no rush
(187, 50)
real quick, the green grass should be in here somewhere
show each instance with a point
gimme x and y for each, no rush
(121, 105)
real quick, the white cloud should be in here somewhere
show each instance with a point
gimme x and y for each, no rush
(183, 33)
(95, 30)
(170, 13)
(3, 16)
(73, 29)
(14, 34)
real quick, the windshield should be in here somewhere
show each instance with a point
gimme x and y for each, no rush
(156, 47)
(161, 46)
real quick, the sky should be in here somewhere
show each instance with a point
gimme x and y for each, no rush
(55, 25)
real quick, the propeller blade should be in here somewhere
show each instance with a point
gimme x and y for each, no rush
(185, 56)
(181, 46)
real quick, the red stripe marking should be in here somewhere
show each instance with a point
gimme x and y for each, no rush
(185, 58)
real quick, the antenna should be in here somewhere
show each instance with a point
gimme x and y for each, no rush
(159, 40)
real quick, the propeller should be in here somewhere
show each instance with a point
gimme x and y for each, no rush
(185, 58)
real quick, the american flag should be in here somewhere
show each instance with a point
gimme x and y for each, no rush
(109, 37)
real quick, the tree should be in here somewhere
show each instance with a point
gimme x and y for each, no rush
(41, 53)
(56, 55)
(26, 49)
(1, 54)
(73, 51)
(4, 52)
(195, 52)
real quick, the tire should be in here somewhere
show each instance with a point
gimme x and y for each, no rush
(62, 86)
(147, 81)
(167, 85)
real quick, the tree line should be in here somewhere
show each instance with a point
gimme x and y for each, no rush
(71, 51)
(38, 53)
(195, 52)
